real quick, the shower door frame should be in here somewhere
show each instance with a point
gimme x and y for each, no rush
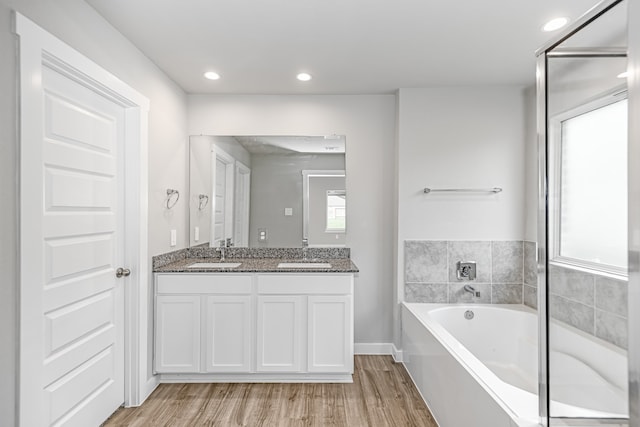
(633, 85)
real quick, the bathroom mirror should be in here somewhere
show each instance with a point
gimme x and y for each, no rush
(267, 191)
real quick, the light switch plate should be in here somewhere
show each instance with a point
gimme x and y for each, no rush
(288, 211)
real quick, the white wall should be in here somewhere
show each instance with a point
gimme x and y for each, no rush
(369, 125)
(82, 28)
(460, 137)
(199, 183)
(8, 221)
(531, 166)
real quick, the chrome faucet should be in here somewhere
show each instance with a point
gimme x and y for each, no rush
(222, 249)
(305, 248)
(472, 291)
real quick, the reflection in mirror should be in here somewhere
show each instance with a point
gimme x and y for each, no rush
(324, 207)
(255, 188)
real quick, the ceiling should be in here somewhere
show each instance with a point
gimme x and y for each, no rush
(327, 144)
(348, 46)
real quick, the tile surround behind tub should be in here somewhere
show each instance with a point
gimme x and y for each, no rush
(611, 328)
(425, 261)
(593, 303)
(530, 267)
(506, 262)
(572, 313)
(457, 294)
(480, 252)
(530, 296)
(571, 284)
(612, 295)
(430, 271)
(427, 292)
(506, 293)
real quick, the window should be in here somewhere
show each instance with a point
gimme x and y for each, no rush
(588, 186)
(336, 211)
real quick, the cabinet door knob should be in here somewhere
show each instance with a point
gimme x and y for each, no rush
(122, 272)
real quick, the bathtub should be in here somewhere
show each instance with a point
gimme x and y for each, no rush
(483, 370)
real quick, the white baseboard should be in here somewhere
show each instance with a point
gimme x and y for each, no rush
(386, 348)
(397, 354)
(256, 378)
(373, 348)
(150, 386)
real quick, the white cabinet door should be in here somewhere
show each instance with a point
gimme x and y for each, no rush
(228, 333)
(178, 333)
(330, 334)
(280, 327)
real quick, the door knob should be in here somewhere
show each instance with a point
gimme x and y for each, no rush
(120, 272)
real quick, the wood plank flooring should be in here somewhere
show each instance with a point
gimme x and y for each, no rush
(381, 394)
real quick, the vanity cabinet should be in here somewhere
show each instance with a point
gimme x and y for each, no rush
(204, 323)
(330, 332)
(305, 322)
(254, 327)
(177, 333)
(280, 327)
(228, 333)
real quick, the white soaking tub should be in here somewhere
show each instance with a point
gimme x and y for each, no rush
(483, 370)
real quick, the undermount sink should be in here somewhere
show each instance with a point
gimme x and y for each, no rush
(214, 265)
(304, 265)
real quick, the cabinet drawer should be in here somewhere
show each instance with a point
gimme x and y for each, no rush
(305, 284)
(193, 283)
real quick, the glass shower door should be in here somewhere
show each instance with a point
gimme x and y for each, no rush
(585, 298)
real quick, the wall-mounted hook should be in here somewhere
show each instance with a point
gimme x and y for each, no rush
(172, 197)
(203, 201)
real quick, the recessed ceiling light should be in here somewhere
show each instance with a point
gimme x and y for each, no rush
(623, 75)
(555, 24)
(211, 75)
(304, 77)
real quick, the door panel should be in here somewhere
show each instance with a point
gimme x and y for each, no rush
(229, 333)
(241, 212)
(223, 203)
(220, 201)
(79, 385)
(82, 301)
(280, 326)
(330, 335)
(178, 340)
(66, 324)
(77, 255)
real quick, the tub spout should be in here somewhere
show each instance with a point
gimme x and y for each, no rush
(472, 291)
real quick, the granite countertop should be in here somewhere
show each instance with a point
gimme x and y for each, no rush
(258, 265)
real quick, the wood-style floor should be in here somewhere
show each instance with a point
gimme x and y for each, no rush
(381, 394)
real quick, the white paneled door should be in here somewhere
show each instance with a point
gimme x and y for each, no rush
(82, 217)
(72, 185)
(223, 177)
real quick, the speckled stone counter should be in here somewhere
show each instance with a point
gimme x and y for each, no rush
(257, 265)
(254, 260)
